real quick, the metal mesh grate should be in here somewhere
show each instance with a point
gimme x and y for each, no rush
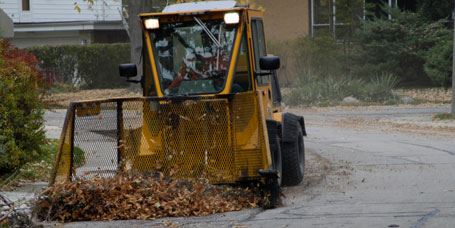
(218, 138)
(95, 140)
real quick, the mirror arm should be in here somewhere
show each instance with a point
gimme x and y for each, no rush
(136, 81)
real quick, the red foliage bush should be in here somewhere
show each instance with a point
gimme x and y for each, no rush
(11, 56)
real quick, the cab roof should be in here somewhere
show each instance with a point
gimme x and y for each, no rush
(200, 6)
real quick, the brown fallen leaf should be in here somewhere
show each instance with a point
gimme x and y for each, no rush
(135, 196)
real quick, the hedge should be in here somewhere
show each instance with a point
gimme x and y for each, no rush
(93, 66)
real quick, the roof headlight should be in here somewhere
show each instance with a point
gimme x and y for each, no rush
(232, 18)
(152, 23)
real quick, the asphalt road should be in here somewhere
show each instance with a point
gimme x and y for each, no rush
(356, 176)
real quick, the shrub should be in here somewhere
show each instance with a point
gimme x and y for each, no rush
(92, 66)
(397, 46)
(321, 56)
(378, 88)
(286, 50)
(434, 10)
(438, 64)
(315, 90)
(443, 116)
(21, 114)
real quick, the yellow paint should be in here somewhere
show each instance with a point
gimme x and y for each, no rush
(238, 40)
(223, 139)
(89, 109)
(277, 116)
(153, 64)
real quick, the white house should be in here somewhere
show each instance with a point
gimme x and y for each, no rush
(57, 22)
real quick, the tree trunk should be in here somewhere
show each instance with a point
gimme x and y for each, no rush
(136, 7)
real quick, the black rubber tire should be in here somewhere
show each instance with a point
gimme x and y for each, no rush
(293, 158)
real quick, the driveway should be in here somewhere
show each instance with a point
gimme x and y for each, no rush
(366, 167)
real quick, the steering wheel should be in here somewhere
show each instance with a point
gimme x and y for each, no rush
(216, 74)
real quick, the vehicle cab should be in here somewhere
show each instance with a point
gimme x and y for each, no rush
(206, 49)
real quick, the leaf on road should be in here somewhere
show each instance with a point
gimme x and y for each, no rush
(129, 196)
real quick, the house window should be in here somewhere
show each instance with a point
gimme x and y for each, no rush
(378, 8)
(335, 17)
(338, 17)
(25, 5)
(408, 5)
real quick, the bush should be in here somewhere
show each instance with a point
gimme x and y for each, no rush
(444, 116)
(397, 46)
(434, 10)
(92, 66)
(321, 56)
(314, 90)
(379, 88)
(286, 50)
(438, 64)
(21, 114)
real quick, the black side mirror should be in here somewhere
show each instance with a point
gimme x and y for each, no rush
(128, 70)
(269, 62)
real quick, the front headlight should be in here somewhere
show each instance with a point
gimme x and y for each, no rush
(152, 23)
(231, 18)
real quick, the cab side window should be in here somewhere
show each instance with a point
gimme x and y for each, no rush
(259, 46)
(242, 76)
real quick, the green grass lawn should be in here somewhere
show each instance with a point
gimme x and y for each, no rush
(444, 116)
(39, 170)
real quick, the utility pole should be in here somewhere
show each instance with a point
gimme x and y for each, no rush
(453, 63)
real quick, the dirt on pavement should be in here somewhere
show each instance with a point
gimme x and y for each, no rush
(415, 119)
(62, 100)
(433, 95)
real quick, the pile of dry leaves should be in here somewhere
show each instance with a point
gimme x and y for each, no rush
(139, 197)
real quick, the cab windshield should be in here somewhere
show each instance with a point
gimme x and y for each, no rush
(193, 57)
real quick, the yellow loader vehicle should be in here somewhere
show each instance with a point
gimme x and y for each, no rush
(211, 107)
